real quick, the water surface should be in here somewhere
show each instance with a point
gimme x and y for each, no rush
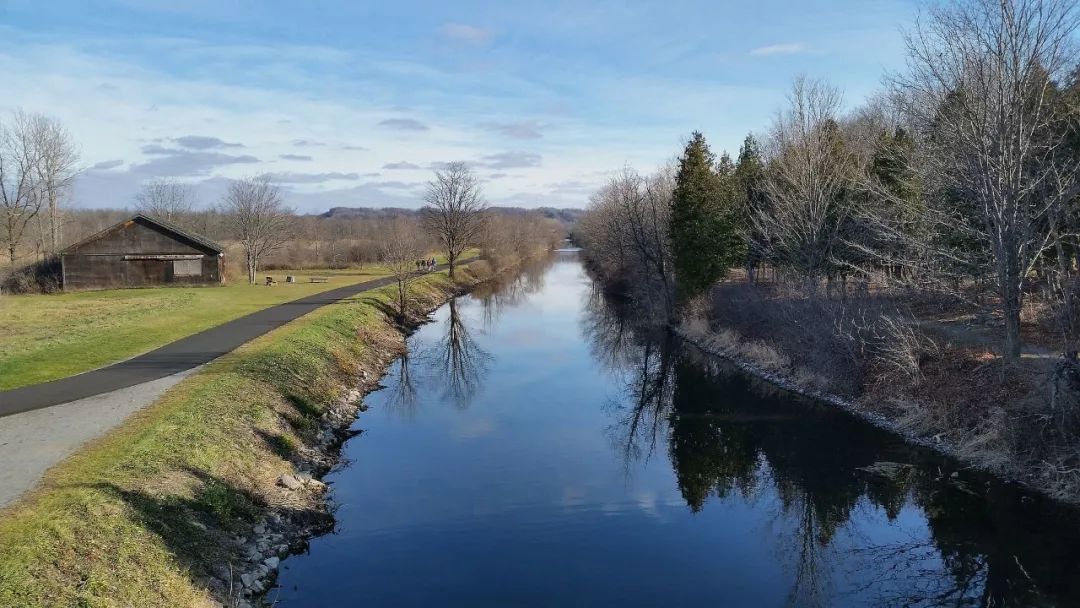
(534, 450)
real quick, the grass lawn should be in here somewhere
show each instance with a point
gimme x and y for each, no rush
(46, 337)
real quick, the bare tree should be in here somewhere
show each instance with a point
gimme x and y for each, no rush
(455, 211)
(626, 237)
(56, 168)
(260, 219)
(401, 249)
(800, 227)
(979, 86)
(19, 195)
(166, 199)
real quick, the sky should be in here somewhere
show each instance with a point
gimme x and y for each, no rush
(355, 103)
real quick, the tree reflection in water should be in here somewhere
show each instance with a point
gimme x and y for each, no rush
(509, 289)
(833, 484)
(643, 367)
(403, 388)
(458, 361)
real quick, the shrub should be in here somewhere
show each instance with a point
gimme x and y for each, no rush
(832, 341)
(807, 328)
(44, 276)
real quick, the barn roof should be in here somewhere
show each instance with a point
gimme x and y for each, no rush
(176, 231)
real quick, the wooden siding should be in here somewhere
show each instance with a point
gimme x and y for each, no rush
(136, 253)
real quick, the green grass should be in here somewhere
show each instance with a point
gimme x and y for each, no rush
(46, 337)
(136, 518)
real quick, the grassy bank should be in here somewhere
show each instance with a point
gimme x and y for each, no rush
(53, 336)
(158, 512)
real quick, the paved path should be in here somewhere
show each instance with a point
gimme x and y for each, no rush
(182, 355)
(32, 442)
(41, 425)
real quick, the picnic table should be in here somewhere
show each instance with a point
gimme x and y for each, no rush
(319, 279)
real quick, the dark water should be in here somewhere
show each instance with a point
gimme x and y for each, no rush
(533, 450)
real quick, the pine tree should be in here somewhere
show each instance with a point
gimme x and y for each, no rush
(750, 198)
(898, 200)
(704, 235)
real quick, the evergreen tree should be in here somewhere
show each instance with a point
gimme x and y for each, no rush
(750, 198)
(890, 165)
(704, 235)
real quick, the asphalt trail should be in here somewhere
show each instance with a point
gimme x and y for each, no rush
(179, 356)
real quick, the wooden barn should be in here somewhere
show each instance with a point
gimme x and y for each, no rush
(141, 252)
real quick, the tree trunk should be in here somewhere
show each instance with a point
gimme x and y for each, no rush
(54, 221)
(451, 258)
(1065, 286)
(1010, 308)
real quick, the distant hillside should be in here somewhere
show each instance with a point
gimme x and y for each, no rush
(566, 216)
(367, 212)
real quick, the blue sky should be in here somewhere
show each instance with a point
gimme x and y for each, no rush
(354, 103)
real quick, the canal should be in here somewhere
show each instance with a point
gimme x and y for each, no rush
(533, 449)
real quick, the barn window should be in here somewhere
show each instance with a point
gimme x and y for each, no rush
(187, 268)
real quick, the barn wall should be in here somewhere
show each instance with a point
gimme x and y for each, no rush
(113, 271)
(100, 263)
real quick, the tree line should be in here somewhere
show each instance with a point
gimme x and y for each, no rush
(958, 178)
(39, 165)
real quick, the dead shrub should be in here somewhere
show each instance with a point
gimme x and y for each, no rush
(898, 347)
(39, 277)
(765, 356)
(480, 270)
(798, 321)
(834, 339)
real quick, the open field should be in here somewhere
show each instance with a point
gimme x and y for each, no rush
(140, 516)
(47, 337)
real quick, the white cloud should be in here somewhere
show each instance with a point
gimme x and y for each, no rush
(401, 165)
(202, 142)
(106, 165)
(512, 160)
(194, 127)
(288, 177)
(529, 129)
(468, 34)
(788, 48)
(187, 163)
(403, 124)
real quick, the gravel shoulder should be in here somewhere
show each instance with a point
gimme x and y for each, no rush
(32, 442)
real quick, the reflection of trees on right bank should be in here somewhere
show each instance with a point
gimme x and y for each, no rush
(828, 479)
(643, 367)
(511, 288)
